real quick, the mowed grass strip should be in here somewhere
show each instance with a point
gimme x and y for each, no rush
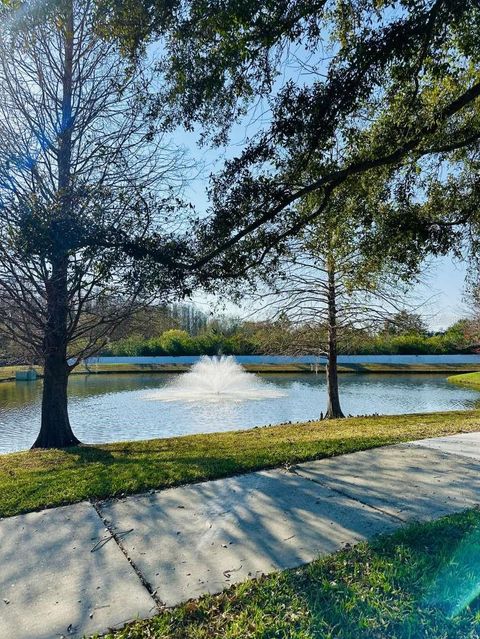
(472, 379)
(7, 373)
(38, 479)
(419, 583)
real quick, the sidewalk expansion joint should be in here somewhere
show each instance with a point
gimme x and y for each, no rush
(117, 538)
(348, 496)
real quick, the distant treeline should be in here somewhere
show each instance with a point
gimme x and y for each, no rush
(264, 338)
(184, 330)
(179, 342)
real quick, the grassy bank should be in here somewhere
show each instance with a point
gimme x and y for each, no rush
(402, 586)
(36, 479)
(472, 379)
(7, 373)
(406, 369)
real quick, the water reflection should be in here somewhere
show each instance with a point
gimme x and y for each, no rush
(114, 407)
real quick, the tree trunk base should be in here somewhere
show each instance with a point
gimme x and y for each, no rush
(334, 415)
(45, 442)
(55, 430)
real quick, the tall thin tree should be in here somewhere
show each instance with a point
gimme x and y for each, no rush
(83, 180)
(327, 287)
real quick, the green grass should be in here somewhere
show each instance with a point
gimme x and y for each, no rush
(472, 379)
(419, 583)
(37, 479)
(7, 373)
(367, 368)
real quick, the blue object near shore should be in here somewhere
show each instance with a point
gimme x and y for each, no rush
(26, 376)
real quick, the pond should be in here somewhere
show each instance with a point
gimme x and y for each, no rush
(106, 408)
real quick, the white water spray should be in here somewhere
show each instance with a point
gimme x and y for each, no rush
(216, 379)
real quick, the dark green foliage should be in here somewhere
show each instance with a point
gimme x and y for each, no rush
(178, 342)
(280, 339)
(405, 323)
(377, 88)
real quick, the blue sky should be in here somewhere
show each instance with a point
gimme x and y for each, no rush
(447, 282)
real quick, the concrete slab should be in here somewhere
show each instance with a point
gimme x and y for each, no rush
(52, 585)
(409, 482)
(200, 539)
(464, 444)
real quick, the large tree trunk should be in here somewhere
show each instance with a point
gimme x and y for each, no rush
(334, 410)
(55, 431)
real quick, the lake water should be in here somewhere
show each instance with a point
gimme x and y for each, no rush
(106, 408)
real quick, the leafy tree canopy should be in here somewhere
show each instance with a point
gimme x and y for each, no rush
(388, 90)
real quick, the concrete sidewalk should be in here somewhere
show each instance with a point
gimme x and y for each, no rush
(62, 573)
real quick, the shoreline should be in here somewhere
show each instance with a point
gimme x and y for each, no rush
(36, 479)
(7, 373)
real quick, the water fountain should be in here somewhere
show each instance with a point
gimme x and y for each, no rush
(216, 379)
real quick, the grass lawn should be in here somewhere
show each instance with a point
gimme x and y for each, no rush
(37, 479)
(7, 373)
(472, 379)
(419, 583)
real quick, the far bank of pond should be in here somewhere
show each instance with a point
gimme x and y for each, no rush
(445, 365)
(105, 408)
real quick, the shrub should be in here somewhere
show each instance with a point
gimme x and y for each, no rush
(177, 342)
